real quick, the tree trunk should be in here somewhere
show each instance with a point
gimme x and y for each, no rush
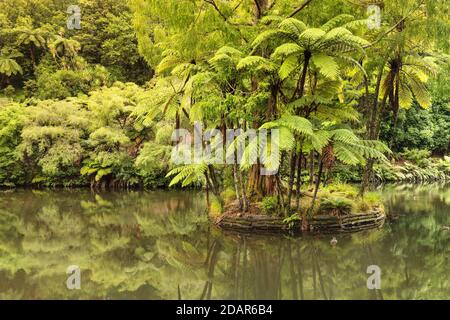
(311, 168)
(245, 202)
(236, 186)
(396, 109)
(299, 180)
(301, 85)
(33, 59)
(280, 194)
(208, 202)
(371, 129)
(291, 177)
(317, 186)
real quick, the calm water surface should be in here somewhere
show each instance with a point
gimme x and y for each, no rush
(159, 245)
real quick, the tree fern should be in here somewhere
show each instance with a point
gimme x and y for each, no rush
(336, 21)
(326, 65)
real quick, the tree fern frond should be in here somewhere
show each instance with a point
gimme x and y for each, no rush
(267, 20)
(419, 90)
(319, 139)
(230, 51)
(326, 65)
(288, 66)
(255, 63)
(405, 97)
(293, 27)
(221, 61)
(355, 24)
(286, 49)
(345, 154)
(267, 35)
(297, 124)
(167, 63)
(344, 135)
(311, 36)
(336, 21)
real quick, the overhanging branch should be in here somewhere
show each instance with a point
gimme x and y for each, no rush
(303, 5)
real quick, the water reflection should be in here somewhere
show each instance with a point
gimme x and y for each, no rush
(160, 245)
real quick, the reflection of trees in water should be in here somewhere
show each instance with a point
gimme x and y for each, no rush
(160, 245)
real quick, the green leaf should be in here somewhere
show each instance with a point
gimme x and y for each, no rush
(326, 65)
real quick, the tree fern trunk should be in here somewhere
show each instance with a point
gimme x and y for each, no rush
(293, 163)
(396, 109)
(245, 202)
(236, 185)
(311, 168)
(317, 186)
(371, 130)
(299, 180)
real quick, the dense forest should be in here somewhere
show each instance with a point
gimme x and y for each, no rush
(357, 89)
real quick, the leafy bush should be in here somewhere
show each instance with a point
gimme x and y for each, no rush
(292, 220)
(164, 134)
(370, 200)
(153, 173)
(269, 205)
(215, 207)
(70, 83)
(420, 128)
(443, 165)
(335, 206)
(9, 91)
(409, 172)
(12, 119)
(344, 173)
(228, 195)
(417, 156)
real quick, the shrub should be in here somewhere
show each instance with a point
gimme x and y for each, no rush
(336, 206)
(9, 91)
(417, 156)
(153, 173)
(215, 207)
(69, 83)
(370, 200)
(269, 204)
(435, 170)
(164, 135)
(228, 195)
(345, 173)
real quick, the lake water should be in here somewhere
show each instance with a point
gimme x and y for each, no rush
(160, 245)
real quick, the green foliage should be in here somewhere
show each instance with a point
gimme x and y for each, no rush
(227, 64)
(90, 139)
(215, 208)
(421, 129)
(417, 156)
(269, 205)
(12, 118)
(369, 201)
(8, 64)
(152, 163)
(31, 31)
(228, 195)
(69, 83)
(51, 140)
(292, 220)
(341, 189)
(189, 174)
(344, 173)
(335, 206)
(436, 169)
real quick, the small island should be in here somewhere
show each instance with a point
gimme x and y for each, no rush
(340, 209)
